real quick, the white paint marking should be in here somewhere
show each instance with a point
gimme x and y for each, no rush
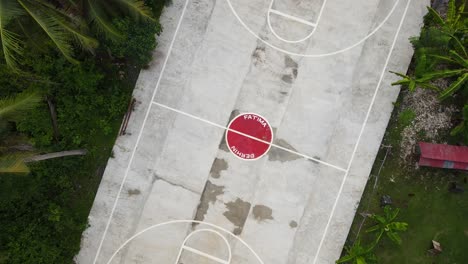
(201, 253)
(313, 55)
(300, 20)
(314, 25)
(249, 136)
(186, 222)
(140, 133)
(362, 130)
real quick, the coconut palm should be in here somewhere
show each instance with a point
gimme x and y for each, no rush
(358, 254)
(12, 108)
(64, 22)
(385, 224)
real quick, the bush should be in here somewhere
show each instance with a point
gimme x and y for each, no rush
(139, 40)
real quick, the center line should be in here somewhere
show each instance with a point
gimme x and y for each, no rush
(249, 136)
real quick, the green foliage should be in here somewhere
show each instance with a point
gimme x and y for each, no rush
(67, 24)
(62, 28)
(13, 163)
(11, 108)
(440, 52)
(385, 224)
(139, 41)
(43, 215)
(87, 103)
(101, 12)
(462, 128)
(453, 23)
(406, 117)
(358, 254)
(45, 229)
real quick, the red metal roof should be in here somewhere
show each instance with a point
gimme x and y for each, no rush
(443, 156)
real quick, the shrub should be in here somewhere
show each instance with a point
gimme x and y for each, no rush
(139, 41)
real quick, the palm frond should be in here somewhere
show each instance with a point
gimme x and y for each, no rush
(11, 107)
(12, 45)
(85, 41)
(51, 25)
(102, 23)
(435, 16)
(74, 25)
(454, 87)
(137, 8)
(13, 163)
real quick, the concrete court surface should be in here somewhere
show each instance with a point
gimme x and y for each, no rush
(328, 99)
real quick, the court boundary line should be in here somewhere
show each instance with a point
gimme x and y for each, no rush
(169, 51)
(363, 127)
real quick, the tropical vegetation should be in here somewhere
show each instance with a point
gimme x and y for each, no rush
(432, 106)
(67, 71)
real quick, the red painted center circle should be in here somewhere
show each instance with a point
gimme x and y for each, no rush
(245, 147)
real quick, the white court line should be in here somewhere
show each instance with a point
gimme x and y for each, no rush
(362, 130)
(140, 133)
(314, 25)
(204, 254)
(313, 55)
(249, 136)
(297, 19)
(201, 253)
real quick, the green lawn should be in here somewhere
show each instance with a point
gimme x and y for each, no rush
(432, 212)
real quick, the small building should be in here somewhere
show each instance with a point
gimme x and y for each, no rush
(443, 156)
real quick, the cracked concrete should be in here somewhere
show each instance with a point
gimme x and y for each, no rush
(280, 204)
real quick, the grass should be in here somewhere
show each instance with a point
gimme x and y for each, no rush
(432, 212)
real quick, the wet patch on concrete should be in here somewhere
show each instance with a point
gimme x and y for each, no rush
(291, 70)
(276, 154)
(259, 55)
(133, 192)
(289, 62)
(287, 78)
(209, 195)
(237, 214)
(223, 144)
(262, 212)
(293, 224)
(218, 166)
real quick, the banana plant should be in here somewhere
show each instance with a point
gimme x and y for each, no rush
(462, 128)
(385, 224)
(440, 52)
(453, 23)
(358, 254)
(458, 69)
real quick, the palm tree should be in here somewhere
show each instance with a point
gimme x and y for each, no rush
(385, 224)
(63, 21)
(12, 108)
(357, 254)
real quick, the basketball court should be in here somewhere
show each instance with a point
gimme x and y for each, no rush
(256, 127)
